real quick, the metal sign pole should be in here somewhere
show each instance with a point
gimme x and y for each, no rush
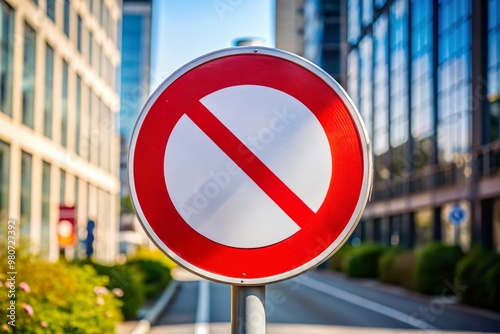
(248, 313)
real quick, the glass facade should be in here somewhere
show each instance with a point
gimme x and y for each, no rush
(454, 80)
(434, 114)
(28, 114)
(381, 98)
(4, 180)
(134, 82)
(25, 200)
(6, 55)
(399, 113)
(422, 118)
(494, 70)
(353, 21)
(366, 83)
(49, 91)
(353, 75)
(45, 227)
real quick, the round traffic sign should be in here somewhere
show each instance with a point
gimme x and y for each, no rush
(249, 165)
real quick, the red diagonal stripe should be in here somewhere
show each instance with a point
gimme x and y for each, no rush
(237, 151)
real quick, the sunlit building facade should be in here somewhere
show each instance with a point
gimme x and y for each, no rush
(425, 75)
(58, 140)
(289, 23)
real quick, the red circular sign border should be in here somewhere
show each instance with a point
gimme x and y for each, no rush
(236, 66)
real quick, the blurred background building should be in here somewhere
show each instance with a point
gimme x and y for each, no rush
(135, 90)
(425, 76)
(289, 23)
(58, 140)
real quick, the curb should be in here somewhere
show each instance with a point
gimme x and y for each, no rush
(144, 325)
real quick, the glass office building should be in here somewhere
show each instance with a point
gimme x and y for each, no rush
(135, 73)
(58, 98)
(425, 75)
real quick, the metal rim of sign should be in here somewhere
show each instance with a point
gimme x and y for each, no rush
(366, 183)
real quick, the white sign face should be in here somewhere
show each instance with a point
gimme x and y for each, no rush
(211, 192)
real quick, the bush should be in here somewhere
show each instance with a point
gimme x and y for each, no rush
(478, 275)
(57, 298)
(386, 272)
(154, 254)
(336, 262)
(435, 268)
(156, 275)
(396, 266)
(403, 269)
(362, 261)
(129, 281)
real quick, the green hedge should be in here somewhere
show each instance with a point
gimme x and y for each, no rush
(435, 268)
(129, 280)
(336, 262)
(362, 261)
(396, 266)
(57, 298)
(478, 277)
(156, 275)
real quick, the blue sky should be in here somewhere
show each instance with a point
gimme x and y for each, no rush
(184, 30)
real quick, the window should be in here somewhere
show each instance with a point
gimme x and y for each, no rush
(454, 78)
(4, 180)
(76, 191)
(398, 45)
(29, 75)
(49, 91)
(381, 86)
(422, 74)
(89, 124)
(62, 188)
(494, 69)
(353, 21)
(45, 228)
(424, 226)
(26, 175)
(332, 33)
(353, 76)
(422, 68)
(79, 33)
(64, 106)
(367, 12)
(78, 108)
(66, 23)
(101, 11)
(51, 9)
(399, 73)
(366, 84)
(380, 3)
(7, 53)
(91, 46)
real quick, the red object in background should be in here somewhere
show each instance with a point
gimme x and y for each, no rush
(66, 226)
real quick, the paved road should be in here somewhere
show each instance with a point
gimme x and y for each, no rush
(318, 300)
